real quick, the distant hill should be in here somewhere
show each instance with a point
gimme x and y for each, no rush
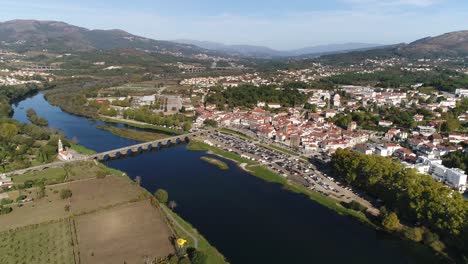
(24, 35)
(265, 52)
(451, 44)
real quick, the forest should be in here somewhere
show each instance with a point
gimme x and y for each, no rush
(250, 95)
(23, 145)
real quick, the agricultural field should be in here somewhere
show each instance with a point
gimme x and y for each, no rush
(84, 170)
(124, 234)
(51, 175)
(104, 219)
(50, 207)
(39, 244)
(93, 194)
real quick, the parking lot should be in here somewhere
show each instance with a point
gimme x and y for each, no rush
(288, 166)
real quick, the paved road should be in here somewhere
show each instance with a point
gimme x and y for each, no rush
(194, 238)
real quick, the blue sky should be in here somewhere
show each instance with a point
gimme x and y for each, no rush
(278, 24)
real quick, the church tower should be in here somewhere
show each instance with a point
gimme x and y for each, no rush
(60, 146)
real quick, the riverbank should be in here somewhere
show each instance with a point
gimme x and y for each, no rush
(138, 124)
(142, 136)
(267, 175)
(218, 163)
(213, 255)
(264, 173)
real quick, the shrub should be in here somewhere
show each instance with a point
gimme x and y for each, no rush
(65, 193)
(161, 195)
(198, 257)
(391, 222)
(415, 233)
(430, 237)
(356, 206)
(6, 201)
(21, 197)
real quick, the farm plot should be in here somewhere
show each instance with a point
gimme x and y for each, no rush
(50, 207)
(38, 244)
(123, 234)
(94, 194)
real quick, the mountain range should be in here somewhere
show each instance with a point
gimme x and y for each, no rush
(261, 51)
(24, 35)
(57, 36)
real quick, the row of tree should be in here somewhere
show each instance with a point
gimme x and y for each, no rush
(414, 197)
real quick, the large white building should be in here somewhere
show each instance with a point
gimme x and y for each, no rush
(453, 177)
(461, 92)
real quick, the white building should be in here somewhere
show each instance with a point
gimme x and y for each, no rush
(461, 92)
(453, 177)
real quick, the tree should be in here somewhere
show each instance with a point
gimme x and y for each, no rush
(391, 222)
(198, 257)
(452, 124)
(161, 195)
(8, 131)
(210, 122)
(187, 125)
(415, 234)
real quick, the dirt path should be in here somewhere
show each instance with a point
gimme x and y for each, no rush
(194, 238)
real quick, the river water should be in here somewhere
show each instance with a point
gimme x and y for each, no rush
(246, 219)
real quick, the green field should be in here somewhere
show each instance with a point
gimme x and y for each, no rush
(142, 136)
(81, 149)
(138, 125)
(218, 163)
(51, 175)
(38, 244)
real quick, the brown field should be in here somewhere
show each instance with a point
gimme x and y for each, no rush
(83, 170)
(94, 194)
(51, 207)
(124, 234)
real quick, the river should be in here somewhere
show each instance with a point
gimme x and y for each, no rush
(246, 219)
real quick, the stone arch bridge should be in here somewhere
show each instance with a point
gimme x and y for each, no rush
(138, 148)
(117, 153)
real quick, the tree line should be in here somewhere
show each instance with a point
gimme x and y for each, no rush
(416, 198)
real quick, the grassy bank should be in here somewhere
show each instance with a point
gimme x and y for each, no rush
(81, 149)
(214, 257)
(270, 176)
(218, 163)
(142, 136)
(142, 125)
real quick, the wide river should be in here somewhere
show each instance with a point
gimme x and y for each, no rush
(247, 219)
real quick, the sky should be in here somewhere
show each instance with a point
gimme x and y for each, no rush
(279, 24)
